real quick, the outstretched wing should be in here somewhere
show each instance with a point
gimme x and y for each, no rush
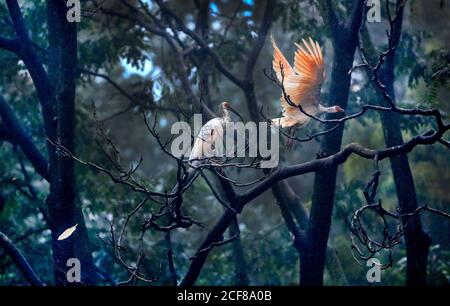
(280, 63)
(303, 87)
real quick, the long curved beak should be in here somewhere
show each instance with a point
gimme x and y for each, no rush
(236, 113)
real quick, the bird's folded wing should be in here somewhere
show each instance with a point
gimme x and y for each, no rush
(280, 63)
(304, 88)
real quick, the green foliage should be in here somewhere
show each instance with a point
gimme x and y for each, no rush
(106, 42)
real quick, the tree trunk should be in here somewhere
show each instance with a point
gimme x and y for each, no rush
(344, 38)
(417, 241)
(213, 235)
(290, 203)
(63, 210)
(313, 259)
(240, 264)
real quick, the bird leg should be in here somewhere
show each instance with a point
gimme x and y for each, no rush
(289, 144)
(290, 140)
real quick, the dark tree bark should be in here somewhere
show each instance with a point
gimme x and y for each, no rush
(417, 241)
(60, 201)
(240, 264)
(64, 211)
(344, 38)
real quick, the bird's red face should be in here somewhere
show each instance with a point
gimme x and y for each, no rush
(339, 109)
(226, 105)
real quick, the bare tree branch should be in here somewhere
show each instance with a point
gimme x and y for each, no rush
(18, 136)
(20, 261)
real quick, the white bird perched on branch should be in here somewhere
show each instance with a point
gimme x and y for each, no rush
(203, 145)
(202, 150)
(209, 133)
(302, 84)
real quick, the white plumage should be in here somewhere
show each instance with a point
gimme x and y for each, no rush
(210, 131)
(206, 138)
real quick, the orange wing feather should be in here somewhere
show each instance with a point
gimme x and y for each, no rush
(280, 63)
(303, 87)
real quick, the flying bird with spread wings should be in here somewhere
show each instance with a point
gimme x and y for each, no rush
(302, 84)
